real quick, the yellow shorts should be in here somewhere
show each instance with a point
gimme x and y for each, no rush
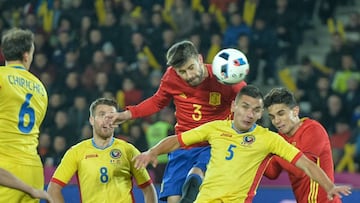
(32, 175)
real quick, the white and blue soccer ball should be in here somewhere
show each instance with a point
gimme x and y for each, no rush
(230, 66)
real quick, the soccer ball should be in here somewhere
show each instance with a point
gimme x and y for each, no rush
(230, 66)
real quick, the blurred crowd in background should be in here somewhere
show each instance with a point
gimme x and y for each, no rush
(87, 49)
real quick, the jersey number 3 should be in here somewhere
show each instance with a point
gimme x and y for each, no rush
(26, 110)
(197, 115)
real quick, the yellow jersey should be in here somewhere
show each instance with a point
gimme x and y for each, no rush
(238, 160)
(23, 106)
(104, 175)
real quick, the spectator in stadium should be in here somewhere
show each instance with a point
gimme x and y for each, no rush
(183, 18)
(348, 70)
(335, 110)
(44, 146)
(137, 136)
(306, 75)
(338, 47)
(59, 147)
(157, 131)
(236, 28)
(319, 96)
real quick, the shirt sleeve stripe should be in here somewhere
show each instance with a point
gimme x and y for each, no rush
(57, 181)
(179, 137)
(144, 185)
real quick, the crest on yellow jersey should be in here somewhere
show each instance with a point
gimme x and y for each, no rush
(248, 140)
(115, 153)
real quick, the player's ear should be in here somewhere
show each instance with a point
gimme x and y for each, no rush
(25, 57)
(296, 110)
(200, 58)
(91, 120)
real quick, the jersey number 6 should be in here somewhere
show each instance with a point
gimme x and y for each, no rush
(26, 110)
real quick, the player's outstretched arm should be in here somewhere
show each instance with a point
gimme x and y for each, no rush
(9, 180)
(317, 174)
(165, 146)
(150, 195)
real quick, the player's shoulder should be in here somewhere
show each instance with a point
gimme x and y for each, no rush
(124, 146)
(217, 124)
(308, 123)
(19, 71)
(170, 76)
(6, 70)
(81, 145)
(221, 122)
(263, 131)
(122, 143)
(169, 73)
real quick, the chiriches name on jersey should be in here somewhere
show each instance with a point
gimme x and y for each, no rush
(27, 84)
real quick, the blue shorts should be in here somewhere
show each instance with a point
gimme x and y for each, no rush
(179, 164)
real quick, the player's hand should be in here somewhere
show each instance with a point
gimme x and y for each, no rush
(143, 159)
(339, 191)
(118, 118)
(41, 194)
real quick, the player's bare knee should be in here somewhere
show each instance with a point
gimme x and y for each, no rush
(198, 171)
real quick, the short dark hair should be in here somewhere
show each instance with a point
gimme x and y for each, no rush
(251, 91)
(102, 101)
(180, 53)
(16, 42)
(280, 95)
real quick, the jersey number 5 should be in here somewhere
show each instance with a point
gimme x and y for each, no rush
(26, 110)
(231, 152)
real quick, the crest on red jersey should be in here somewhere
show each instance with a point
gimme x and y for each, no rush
(214, 98)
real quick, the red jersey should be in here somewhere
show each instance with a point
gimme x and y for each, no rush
(312, 139)
(195, 106)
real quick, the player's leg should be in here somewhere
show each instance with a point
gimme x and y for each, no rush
(195, 177)
(174, 176)
(191, 186)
